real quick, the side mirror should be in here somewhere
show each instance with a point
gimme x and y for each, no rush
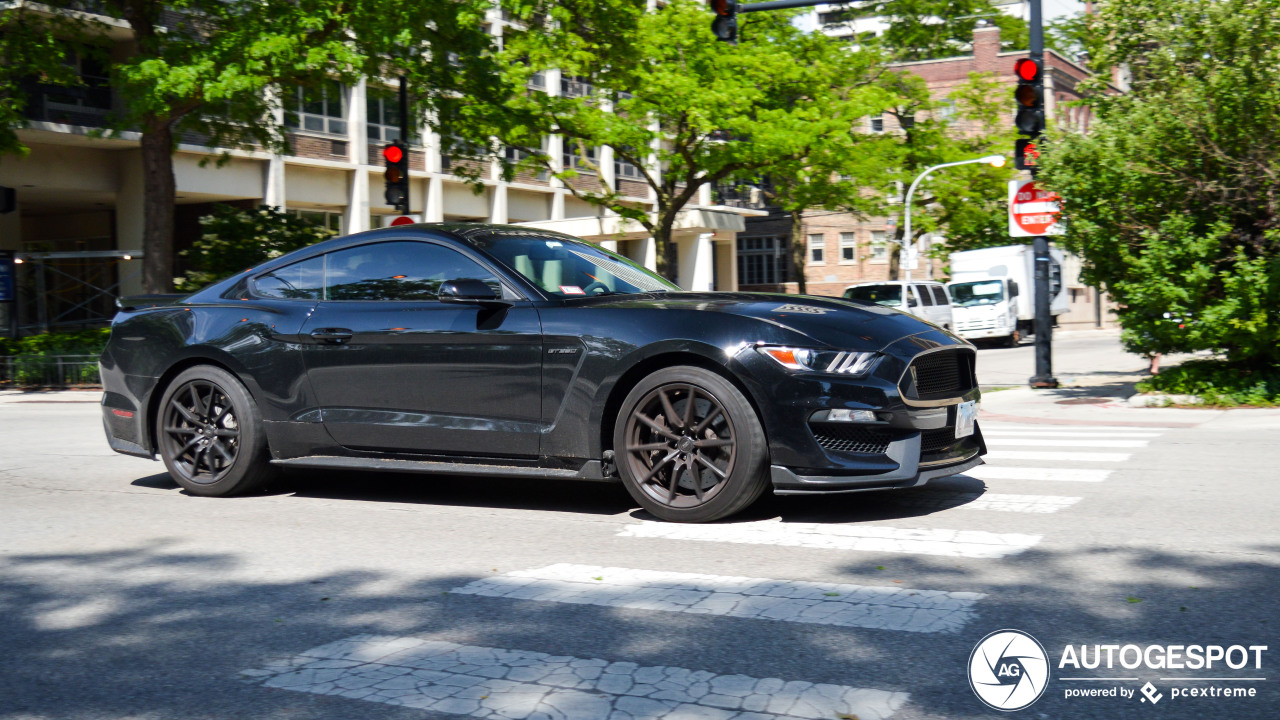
(1013, 288)
(469, 291)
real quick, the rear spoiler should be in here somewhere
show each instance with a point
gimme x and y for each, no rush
(141, 302)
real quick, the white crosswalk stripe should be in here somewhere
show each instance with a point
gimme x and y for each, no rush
(1001, 472)
(882, 608)
(947, 500)
(1044, 455)
(863, 538)
(1003, 432)
(1023, 427)
(1001, 441)
(488, 682)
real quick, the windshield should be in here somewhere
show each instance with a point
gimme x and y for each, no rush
(564, 267)
(986, 292)
(889, 295)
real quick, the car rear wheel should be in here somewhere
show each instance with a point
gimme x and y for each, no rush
(689, 446)
(210, 434)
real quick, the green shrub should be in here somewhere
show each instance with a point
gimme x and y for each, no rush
(235, 240)
(32, 360)
(1219, 383)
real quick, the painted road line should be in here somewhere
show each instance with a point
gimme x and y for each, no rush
(863, 538)
(1056, 456)
(487, 682)
(1071, 428)
(947, 500)
(1057, 442)
(880, 608)
(986, 431)
(1000, 472)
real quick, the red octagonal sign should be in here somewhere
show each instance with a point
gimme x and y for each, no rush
(1032, 210)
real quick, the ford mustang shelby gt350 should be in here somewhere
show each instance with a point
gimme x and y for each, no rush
(468, 349)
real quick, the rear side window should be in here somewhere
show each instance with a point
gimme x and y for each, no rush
(923, 292)
(889, 295)
(399, 271)
(299, 281)
(379, 271)
(940, 295)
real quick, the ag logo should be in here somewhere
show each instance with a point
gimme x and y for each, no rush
(1008, 670)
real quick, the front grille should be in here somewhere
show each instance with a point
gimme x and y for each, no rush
(943, 374)
(852, 439)
(935, 440)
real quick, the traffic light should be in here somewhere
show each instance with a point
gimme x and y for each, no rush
(1030, 97)
(396, 157)
(725, 26)
(1026, 155)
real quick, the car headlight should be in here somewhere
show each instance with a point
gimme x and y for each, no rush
(846, 362)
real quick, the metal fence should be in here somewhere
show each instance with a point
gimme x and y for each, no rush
(58, 371)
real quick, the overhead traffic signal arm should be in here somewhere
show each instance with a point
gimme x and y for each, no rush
(725, 25)
(396, 160)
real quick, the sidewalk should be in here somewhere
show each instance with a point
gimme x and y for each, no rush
(50, 396)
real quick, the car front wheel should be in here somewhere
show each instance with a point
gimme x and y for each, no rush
(210, 434)
(689, 446)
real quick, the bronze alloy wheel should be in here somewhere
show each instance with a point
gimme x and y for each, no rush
(201, 432)
(681, 446)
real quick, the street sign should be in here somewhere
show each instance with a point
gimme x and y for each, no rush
(1032, 210)
(911, 259)
(397, 220)
(6, 277)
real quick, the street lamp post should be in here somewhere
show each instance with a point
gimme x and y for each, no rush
(992, 160)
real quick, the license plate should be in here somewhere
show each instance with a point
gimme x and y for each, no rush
(966, 416)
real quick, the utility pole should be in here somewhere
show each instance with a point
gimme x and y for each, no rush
(1040, 244)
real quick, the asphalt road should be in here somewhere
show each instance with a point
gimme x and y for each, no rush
(416, 597)
(1094, 355)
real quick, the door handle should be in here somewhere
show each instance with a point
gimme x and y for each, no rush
(333, 335)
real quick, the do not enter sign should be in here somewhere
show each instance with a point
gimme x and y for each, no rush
(1032, 210)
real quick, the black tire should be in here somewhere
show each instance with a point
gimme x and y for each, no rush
(698, 464)
(209, 434)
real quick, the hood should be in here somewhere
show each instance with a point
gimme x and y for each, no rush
(827, 321)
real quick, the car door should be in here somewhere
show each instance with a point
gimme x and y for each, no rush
(942, 304)
(396, 370)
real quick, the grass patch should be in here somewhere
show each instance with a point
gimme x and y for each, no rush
(1219, 383)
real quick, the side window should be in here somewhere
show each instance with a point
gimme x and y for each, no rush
(299, 281)
(399, 271)
(940, 295)
(923, 292)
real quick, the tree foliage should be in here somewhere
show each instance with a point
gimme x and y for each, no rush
(680, 108)
(219, 69)
(234, 240)
(932, 29)
(1172, 198)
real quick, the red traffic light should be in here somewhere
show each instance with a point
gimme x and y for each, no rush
(393, 153)
(1027, 69)
(724, 7)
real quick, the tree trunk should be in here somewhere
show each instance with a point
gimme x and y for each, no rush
(159, 190)
(799, 251)
(895, 254)
(667, 253)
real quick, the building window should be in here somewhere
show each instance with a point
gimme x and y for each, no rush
(319, 109)
(575, 87)
(762, 261)
(625, 170)
(947, 111)
(384, 117)
(321, 218)
(579, 157)
(877, 123)
(817, 250)
(848, 248)
(85, 104)
(879, 246)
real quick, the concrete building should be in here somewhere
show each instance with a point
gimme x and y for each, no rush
(842, 250)
(79, 222)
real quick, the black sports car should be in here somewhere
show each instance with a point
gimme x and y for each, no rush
(473, 349)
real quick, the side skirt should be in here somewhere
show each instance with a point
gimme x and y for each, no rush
(591, 470)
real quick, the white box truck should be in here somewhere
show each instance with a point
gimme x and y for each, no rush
(993, 292)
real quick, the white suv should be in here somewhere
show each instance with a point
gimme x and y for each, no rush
(925, 299)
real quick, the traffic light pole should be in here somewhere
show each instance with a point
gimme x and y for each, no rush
(404, 133)
(1040, 247)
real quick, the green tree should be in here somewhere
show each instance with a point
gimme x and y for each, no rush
(29, 52)
(234, 240)
(218, 68)
(1172, 198)
(967, 203)
(931, 29)
(680, 108)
